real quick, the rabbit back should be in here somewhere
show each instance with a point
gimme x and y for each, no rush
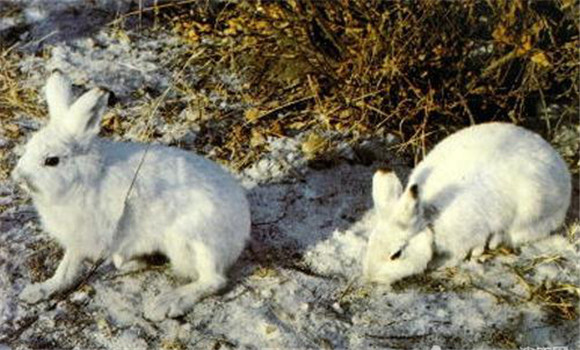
(177, 197)
(493, 178)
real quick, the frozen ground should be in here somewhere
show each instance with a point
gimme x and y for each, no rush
(296, 285)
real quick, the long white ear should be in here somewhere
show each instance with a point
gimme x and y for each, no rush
(84, 116)
(58, 95)
(409, 209)
(387, 189)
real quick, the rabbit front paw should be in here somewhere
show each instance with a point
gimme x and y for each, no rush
(118, 261)
(167, 305)
(33, 293)
(125, 265)
(477, 252)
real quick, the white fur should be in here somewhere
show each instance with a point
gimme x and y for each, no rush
(484, 185)
(181, 205)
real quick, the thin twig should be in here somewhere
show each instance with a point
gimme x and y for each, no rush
(153, 111)
(280, 108)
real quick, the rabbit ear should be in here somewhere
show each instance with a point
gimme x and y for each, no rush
(58, 94)
(409, 206)
(387, 189)
(84, 116)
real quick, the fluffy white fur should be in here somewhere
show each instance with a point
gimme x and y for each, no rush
(484, 185)
(181, 205)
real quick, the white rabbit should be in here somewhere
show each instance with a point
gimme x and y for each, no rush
(181, 205)
(484, 185)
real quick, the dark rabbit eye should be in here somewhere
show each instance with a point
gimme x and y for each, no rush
(51, 161)
(397, 254)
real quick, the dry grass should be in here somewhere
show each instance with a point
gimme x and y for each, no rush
(15, 100)
(346, 70)
(505, 339)
(560, 298)
(419, 70)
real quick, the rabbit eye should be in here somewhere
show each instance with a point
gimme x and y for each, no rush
(51, 161)
(397, 254)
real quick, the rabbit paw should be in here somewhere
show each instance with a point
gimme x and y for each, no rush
(167, 305)
(118, 261)
(33, 293)
(477, 252)
(124, 265)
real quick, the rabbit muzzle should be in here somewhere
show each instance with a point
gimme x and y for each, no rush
(23, 180)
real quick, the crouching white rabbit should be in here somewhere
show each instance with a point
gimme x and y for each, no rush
(181, 205)
(484, 185)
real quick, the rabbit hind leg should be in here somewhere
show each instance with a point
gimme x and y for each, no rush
(536, 219)
(534, 229)
(193, 260)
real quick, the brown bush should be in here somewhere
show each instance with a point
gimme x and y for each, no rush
(418, 69)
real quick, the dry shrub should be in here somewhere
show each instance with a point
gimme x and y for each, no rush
(416, 69)
(15, 101)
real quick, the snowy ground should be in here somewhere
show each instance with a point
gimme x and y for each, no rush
(296, 284)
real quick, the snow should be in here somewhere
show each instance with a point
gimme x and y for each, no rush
(342, 253)
(296, 285)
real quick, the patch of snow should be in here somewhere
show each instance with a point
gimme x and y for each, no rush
(283, 158)
(341, 254)
(102, 60)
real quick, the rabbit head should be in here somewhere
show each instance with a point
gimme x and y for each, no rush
(400, 243)
(59, 158)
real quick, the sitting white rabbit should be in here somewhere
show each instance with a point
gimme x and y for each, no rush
(484, 185)
(181, 205)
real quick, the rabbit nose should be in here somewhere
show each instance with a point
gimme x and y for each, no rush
(24, 181)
